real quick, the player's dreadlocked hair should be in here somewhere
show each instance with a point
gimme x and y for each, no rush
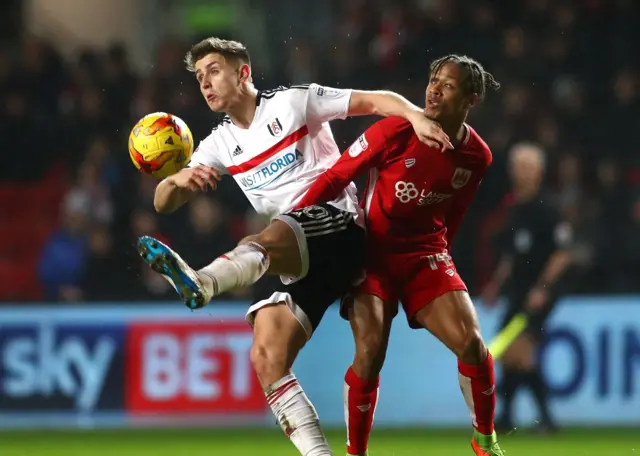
(477, 80)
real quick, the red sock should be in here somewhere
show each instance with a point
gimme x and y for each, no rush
(360, 400)
(478, 385)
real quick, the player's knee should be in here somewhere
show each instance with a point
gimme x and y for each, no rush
(268, 362)
(247, 239)
(370, 354)
(371, 324)
(281, 244)
(277, 235)
(370, 345)
(266, 239)
(473, 350)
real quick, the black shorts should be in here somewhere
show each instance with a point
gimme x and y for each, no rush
(536, 320)
(332, 254)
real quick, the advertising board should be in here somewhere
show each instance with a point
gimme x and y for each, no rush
(122, 365)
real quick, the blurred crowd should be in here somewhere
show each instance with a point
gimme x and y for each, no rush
(569, 71)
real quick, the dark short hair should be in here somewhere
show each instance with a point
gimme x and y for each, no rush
(477, 79)
(227, 48)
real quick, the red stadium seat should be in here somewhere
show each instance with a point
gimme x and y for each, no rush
(30, 215)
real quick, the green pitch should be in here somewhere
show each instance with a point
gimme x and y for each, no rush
(162, 442)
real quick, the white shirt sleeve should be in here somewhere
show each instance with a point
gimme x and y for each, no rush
(327, 103)
(206, 155)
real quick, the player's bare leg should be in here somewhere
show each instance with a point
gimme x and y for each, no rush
(452, 319)
(278, 338)
(274, 251)
(278, 335)
(370, 320)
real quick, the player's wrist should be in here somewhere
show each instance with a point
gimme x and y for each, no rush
(170, 182)
(413, 113)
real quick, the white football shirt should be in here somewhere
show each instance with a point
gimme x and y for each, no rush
(287, 146)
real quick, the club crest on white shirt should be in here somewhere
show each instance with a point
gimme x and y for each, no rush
(275, 128)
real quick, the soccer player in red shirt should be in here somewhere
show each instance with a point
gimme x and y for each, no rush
(415, 199)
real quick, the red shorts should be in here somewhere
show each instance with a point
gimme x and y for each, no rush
(413, 279)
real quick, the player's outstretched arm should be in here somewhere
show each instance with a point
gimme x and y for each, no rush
(333, 181)
(176, 190)
(368, 151)
(387, 104)
(327, 103)
(382, 103)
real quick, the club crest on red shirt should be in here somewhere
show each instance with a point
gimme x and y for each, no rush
(460, 178)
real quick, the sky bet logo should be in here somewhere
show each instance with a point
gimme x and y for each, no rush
(273, 170)
(56, 366)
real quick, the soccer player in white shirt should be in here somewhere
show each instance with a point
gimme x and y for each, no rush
(275, 144)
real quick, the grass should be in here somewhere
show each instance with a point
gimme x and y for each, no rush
(204, 442)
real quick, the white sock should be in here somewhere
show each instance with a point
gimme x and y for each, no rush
(297, 417)
(241, 267)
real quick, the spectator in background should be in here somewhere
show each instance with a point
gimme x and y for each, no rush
(632, 248)
(301, 66)
(569, 191)
(207, 234)
(625, 109)
(119, 81)
(27, 133)
(103, 262)
(42, 75)
(146, 284)
(613, 227)
(61, 267)
(90, 189)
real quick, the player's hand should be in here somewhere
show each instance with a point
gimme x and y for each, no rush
(430, 132)
(537, 299)
(490, 294)
(197, 178)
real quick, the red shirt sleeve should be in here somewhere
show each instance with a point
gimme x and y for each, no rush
(368, 151)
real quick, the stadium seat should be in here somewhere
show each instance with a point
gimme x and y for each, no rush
(30, 215)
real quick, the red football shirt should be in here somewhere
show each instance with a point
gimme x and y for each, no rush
(416, 196)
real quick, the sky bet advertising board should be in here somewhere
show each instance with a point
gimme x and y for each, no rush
(146, 365)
